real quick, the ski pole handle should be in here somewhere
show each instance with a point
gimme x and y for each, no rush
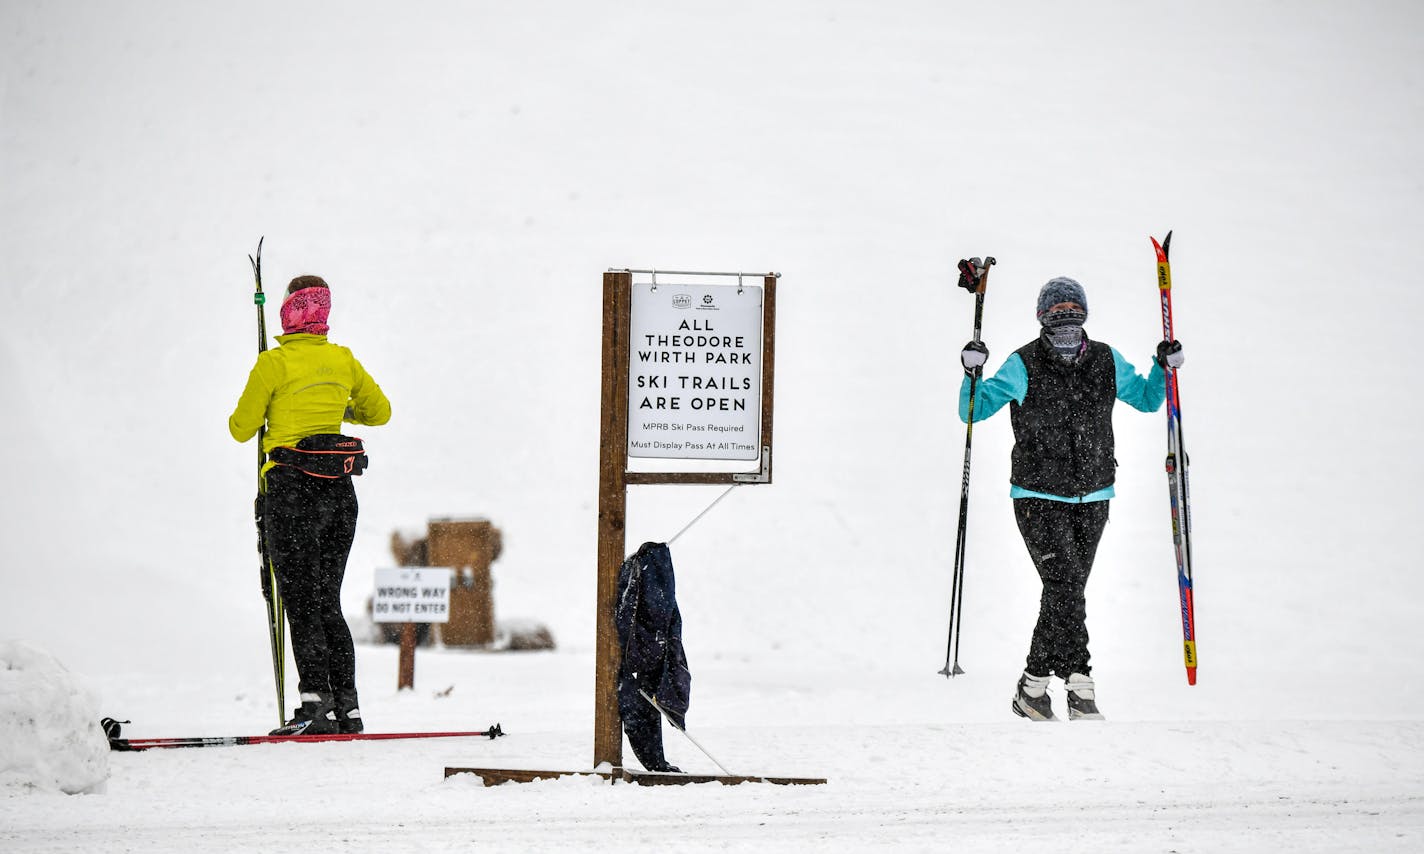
(973, 273)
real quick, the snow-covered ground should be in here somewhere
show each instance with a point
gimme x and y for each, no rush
(463, 173)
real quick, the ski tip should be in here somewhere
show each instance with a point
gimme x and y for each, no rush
(1191, 676)
(1161, 247)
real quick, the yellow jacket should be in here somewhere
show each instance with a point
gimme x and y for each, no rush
(302, 388)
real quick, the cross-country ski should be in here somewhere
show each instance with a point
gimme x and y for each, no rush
(1177, 462)
(116, 742)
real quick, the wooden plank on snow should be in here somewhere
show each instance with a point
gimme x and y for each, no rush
(496, 776)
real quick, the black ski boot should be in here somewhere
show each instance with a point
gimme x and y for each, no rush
(348, 712)
(1031, 698)
(316, 716)
(1082, 702)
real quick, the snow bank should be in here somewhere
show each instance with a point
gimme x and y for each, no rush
(50, 738)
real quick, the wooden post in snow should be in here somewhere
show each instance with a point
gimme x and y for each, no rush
(614, 479)
(612, 513)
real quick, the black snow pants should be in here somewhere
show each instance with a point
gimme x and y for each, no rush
(310, 524)
(1062, 539)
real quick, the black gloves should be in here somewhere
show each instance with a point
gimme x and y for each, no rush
(974, 355)
(1169, 354)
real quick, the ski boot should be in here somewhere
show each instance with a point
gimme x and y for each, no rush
(1082, 704)
(316, 716)
(348, 712)
(1031, 698)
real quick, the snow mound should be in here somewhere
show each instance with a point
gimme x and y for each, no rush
(50, 739)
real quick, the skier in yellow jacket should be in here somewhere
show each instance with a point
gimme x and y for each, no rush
(302, 391)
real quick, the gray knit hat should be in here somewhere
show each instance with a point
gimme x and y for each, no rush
(1061, 289)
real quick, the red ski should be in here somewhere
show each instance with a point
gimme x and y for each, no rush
(1177, 473)
(111, 728)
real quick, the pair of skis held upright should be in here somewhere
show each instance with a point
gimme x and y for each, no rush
(276, 613)
(974, 277)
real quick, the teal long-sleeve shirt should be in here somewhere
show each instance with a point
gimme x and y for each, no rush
(1010, 382)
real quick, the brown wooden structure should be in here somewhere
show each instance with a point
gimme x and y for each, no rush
(614, 479)
(496, 776)
(469, 546)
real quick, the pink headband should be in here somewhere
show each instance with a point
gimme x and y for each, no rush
(306, 311)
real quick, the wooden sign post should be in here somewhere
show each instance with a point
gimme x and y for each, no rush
(688, 406)
(705, 359)
(410, 595)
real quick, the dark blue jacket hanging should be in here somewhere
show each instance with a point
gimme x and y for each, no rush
(650, 635)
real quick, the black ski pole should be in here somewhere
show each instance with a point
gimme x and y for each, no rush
(276, 614)
(973, 277)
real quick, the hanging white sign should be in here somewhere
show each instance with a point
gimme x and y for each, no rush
(694, 372)
(410, 595)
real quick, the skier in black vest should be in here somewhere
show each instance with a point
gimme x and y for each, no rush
(1061, 388)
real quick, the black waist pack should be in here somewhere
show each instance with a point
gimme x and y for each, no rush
(325, 455)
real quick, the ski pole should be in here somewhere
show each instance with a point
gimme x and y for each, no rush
(267, 574)
(111, 727)
(683, 730)
(1177, 464)
(973, 277)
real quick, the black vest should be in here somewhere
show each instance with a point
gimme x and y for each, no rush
(1063, 436)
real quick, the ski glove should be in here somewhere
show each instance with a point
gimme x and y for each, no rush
(1169, 354)
(974, 355)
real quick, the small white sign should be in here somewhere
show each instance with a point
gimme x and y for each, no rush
(694, 372)
(412, 595)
